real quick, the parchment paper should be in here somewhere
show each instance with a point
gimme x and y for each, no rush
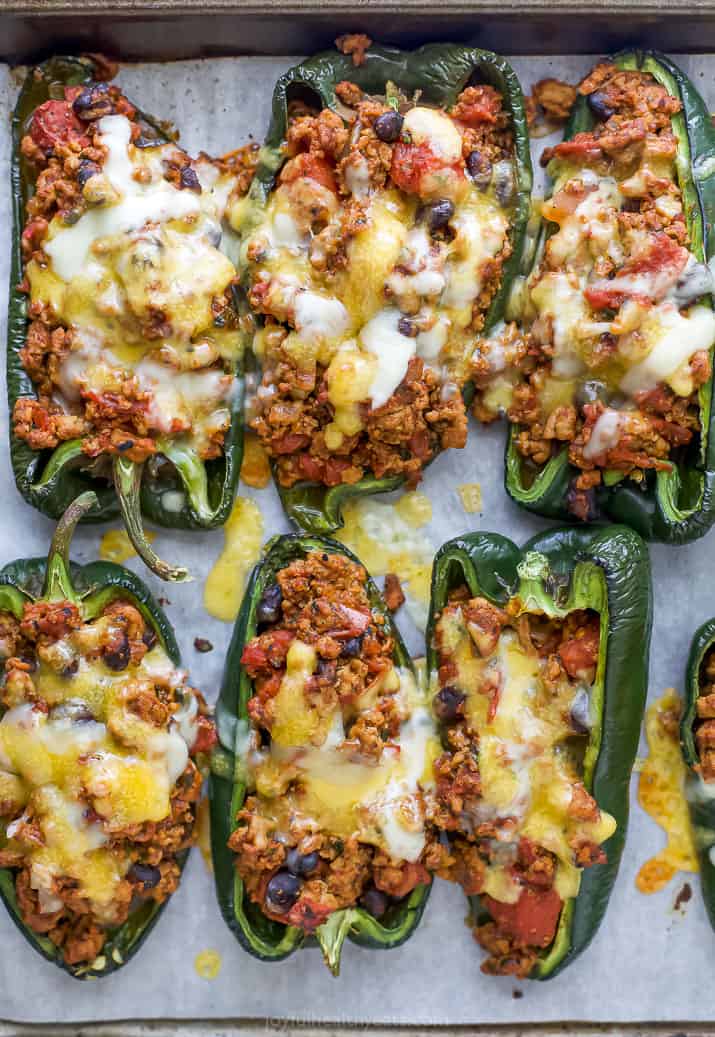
(648, 962)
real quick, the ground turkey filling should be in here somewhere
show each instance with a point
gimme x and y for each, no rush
(705, 713)
(614, 343)
(513, 702)
(373, 265)
(132, 333)
(98, 787)
(337, 754)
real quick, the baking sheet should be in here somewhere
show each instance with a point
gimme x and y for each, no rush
(648, 961)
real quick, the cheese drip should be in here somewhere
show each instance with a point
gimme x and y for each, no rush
(524, 769)
(91, 767)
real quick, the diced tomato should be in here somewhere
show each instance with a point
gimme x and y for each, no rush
(311, 468)
(582, 146)
(532, 920)
(290, 443)
(477, 113)
(334, 468)
(307, 914)
(651, 274)
(413, 874)
(419, 445)
(410, 162)
(580, 654)
(54, 122)
(267, 651)
(356, 624)
(310, 166)
(206, 736)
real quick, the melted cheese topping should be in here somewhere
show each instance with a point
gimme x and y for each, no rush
(388, 538)
(661, 794)
(525, 770)
(381, 802)
(394, 267)
(243, 534)
(91, 767)
(655, 339)
(142, 250)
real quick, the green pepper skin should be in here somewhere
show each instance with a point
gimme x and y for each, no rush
(701, 801)
(261, 936)
(51, 487)
(578, 561)
(440, 71)
(676, 506)
(91, 587)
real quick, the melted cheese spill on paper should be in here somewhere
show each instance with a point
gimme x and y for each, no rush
(115, 546)
(208, 964)
(388, 538)
(661, 794)
(225, 583)
(255, 466)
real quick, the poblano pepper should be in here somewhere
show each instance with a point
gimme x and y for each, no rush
(699, 792)
(437, 73)
(91, 588)
(261, 936)
(554, 574)
(678, 504)
(187, 493)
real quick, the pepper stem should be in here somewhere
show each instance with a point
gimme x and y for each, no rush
(127, 481)
(58, 582)
(331, 936)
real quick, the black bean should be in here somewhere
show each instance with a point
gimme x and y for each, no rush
(118, 656)
(440, 213)
(301, 863)
(86, 171)
(94, 102)
(149, 637)
(144, 874)
(480, 169)
(580, 713)
(599, 106)
(189, 179)
(71, 668)
(504, 182)
(268, 609)
(407, 327)
(326, 668)
(448, 704)
(388, 126)
(282, 892)
(375, 902)
(590, 392)
(582, 504)
(352, 647)
(75, 710)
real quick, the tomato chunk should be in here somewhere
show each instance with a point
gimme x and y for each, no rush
(312, 167)
(54, 122)
(532, 920)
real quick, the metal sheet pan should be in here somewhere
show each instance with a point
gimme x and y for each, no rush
(648, 962)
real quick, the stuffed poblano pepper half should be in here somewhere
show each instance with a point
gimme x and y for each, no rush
(538, 659)
(381, 236)
(697, 739)
(124, 342)
(610, 405)
(99, 734)
(317, 808)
